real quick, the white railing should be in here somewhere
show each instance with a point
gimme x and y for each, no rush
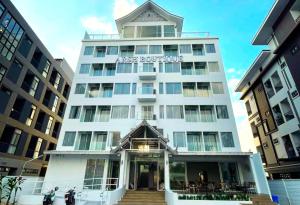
(115, 196)
(90, 36)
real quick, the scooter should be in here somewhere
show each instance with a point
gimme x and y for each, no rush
(70, 197)
(49, 197)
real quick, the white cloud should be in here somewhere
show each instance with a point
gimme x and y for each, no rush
(70, 52)
(245, 136)
(231, 70)
(97, 24)
(123, 7)
(239, 109)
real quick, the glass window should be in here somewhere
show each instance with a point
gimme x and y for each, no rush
(179, 139)
(135, 68)
(74, 112)
(194, 141)
(155, 49)
(207, 113)
(49, 125)
(169, 31)
(110, 69)
(97, 69)
(120, 112)
(124, 68)
(192, 113)
(88, 50)
(103, 113)
(93, 90)
(172, 67)
(69, 139)
(174, 111)
(88, 114)
(198, 49)
(161, 111)
(112, 50)
(177, 175)
(287, 110)
(128, 32)
(2, 72)
(185, 48)
(148, 31)
(161, 67)
(2, 8)
(99, 141)
(106, 90)
(83, 141)
(269, 88)
(170, 50)
(210, 48)
(200, 68)
(211, 141)
(213, 66)
(84, 68)
(100, 51)
(31, 115)
(122, 89)
(227, 139)
(161, 88)
(222, 112)
(278, 115)
(186, 68)
(54, 106)
(217, 88)
(248, 108)
(141, 49)
(126, 51)
(46, 69)
(80, 88)
(25, 46)
(173, 88)
(14, 141)
(94, 174)
(33, 86)
(189, 89)
(133, 89)
(10, 36)
(276, 82)
(132, 111)
(116, 138)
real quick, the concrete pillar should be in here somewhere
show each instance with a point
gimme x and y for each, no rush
(167, 170)
(123, 166)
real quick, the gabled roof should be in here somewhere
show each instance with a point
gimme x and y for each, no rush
(137, 132)
(150, 5)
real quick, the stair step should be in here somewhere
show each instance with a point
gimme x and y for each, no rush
(143, 198)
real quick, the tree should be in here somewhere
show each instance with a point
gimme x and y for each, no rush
(12, 186)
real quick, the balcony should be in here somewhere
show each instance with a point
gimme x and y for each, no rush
(103, 37)
(147, 73)
(146, 94)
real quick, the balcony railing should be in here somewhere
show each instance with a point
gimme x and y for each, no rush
(90, 36)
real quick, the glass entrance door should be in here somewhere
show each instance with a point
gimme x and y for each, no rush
(146, 174)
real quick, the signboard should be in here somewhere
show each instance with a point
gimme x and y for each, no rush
(150, 59)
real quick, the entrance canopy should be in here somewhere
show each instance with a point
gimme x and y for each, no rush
(144, 139)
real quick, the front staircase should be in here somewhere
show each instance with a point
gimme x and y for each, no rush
(143, 198)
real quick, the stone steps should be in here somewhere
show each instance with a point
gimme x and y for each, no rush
(143, 198)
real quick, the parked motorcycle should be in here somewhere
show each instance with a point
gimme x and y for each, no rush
(49, 197)
(70, 197)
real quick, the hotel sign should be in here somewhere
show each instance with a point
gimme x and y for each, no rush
(150, 59)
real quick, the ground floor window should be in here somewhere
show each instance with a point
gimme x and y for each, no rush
(230, 172)
(177, 175)
(94, 173)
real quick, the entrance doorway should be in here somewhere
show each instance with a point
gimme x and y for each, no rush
(146, 173)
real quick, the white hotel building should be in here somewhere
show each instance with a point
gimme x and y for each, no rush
(149, 109)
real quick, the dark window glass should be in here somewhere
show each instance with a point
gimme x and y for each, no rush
(25, 46)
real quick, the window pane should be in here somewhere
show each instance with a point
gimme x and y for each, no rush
(74, 112)
(278, 115)
(207, 113)
(276, 82)
(287, 110)
(173, 88)
(210, 48)
(120, 112)
(141, 49)
(84, 68)
(122, 88)
(69, 139)
(155, 49)
(128, 32)
(174, 112)
(80, 88)
(211, 141)
(169, 31)
(172, 67)
(185, 48)
(269, 89)
(148, 31)
(99, 141)
(213, 67)
(192, 113)
(227, 139)
(179, 139)
(88, 50)
(194, 140)
(124, 68)
(222, 112)
(217, 88)
(112, 50)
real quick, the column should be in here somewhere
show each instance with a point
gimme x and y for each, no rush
(123, 166)
(167, 170)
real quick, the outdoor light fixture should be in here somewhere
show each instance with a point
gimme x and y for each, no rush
(144, 148)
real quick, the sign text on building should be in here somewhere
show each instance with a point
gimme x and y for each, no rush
(150, 59)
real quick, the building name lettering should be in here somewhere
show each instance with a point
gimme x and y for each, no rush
(150, 59)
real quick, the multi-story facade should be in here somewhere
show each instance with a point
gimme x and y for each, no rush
(149, 108)
(34, 89)
(270, 90)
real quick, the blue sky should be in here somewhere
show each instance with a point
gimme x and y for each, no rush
(61, 24)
